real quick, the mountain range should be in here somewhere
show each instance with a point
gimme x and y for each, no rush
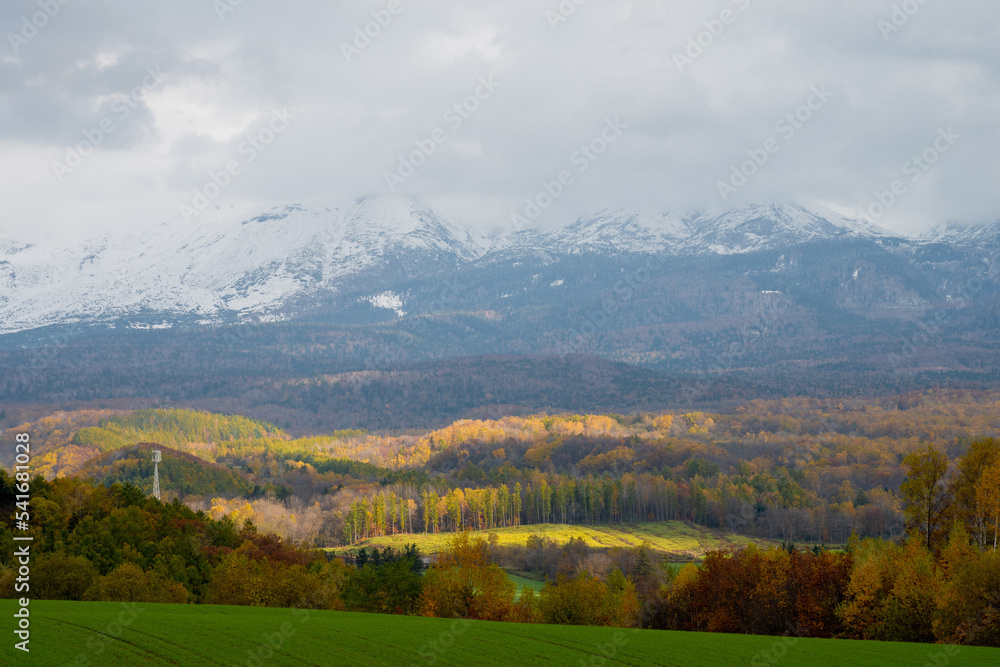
(384, 315)
(291, 261)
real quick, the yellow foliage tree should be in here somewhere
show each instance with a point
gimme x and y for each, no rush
(465, 583)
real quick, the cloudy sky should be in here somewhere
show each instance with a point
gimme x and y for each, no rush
(114, 113)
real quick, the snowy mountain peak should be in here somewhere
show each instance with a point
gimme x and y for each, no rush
(974, 235)
(628, 230)
(395, 222)
(770, 225)
(221, 265)
(746, 229)
(232, 263)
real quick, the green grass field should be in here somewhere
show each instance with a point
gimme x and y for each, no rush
(106, 633)
(520, 582)
(676, 539)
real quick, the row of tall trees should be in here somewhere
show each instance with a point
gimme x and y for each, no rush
(775, 507)
(934, 491)
(384, 513)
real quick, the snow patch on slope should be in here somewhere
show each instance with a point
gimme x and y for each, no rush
(388, 301)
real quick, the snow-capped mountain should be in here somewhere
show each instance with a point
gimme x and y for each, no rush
(227, 266)
(627, 230)
(755, 227)
(967, 235)
(219, 265)
(767, 226)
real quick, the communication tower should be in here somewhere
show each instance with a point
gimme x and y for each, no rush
(157, 457)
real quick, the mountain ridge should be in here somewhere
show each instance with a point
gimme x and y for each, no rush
(231, 267)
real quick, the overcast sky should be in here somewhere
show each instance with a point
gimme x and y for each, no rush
(82, 83)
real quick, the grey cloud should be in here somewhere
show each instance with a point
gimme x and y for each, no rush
(617, 58)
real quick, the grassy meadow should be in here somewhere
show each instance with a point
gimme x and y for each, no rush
(107, 633)
(679, 540)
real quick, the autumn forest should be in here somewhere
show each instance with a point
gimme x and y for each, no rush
(867, 518)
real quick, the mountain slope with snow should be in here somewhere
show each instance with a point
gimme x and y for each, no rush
(226, 266)
(967, 235)
(626, 230)
(768, 226)
(752, 228)
(217, 266)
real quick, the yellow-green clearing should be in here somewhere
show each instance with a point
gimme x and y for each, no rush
(520, 582)
(676, 539)
(108, 633)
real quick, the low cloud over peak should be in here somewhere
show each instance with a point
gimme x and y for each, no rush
(718, 98)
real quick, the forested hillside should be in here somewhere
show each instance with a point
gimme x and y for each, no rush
(792, 469)
(904, 490)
